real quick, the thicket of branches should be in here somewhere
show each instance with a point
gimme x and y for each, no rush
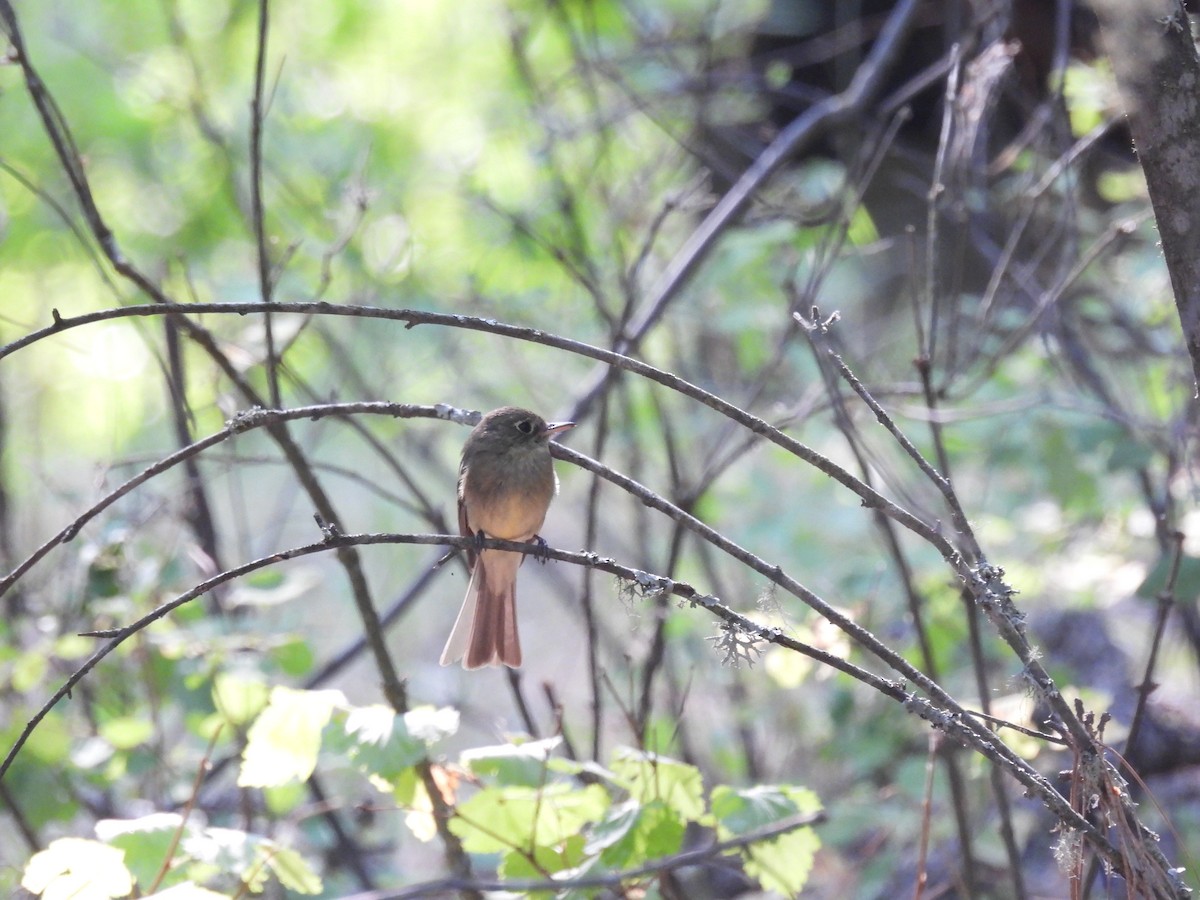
(883, 487)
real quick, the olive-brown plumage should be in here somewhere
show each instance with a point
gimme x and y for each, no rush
(505, 484)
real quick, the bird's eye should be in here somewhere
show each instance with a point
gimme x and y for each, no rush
(525, 426)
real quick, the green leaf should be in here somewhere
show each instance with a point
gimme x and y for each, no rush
(648, 776)
(419, 819)
(44, 797)
(77, 869)
(28, 670)
(1085, 91)
(127, 732)
(781, 863)
(1071, 483)
(284, 740)
(637, 834)
(613, 828)
(739, 811)
(784, 863)
(294, 658)
(589, 868)
(73, 646)
(238, 698)
(272, 588)
(50, 743)
(282, 799)
(546, 859)
(292, 870)
(378, 742)
(383, 745)
(264, 579)
(512, 763)
(862, 228)
(1126, 453)
(503, 818)
(145, 841)
(1187, 582)
(225, 850)
(252, 858)
(405, 787)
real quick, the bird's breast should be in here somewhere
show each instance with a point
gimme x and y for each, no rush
(512, 507)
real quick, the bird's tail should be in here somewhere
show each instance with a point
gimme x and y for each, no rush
(485, 632)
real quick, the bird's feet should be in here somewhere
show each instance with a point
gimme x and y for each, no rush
(541, 554)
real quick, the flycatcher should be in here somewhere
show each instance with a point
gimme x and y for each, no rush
(505, 484)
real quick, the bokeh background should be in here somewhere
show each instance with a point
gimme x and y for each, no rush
(550, 164)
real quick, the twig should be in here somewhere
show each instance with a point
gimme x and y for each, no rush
(588, 595)
(198, 512)
(333, 542)
(870, 497)
(1166, 602)
(922, 875)
(951, 718)
(257, 114)
(390, 616)
(177, 836)
(868, 79)
(696, 857)
(349, 852)
(933, 297)
(60, 211)
(246, 421)
(957, 516)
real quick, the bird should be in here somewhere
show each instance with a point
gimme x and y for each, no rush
(506, 481)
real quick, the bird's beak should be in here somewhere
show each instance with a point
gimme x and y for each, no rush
(553, 428)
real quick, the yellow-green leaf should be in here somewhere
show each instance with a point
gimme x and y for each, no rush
(648, 776)
(285, 739)
(238, 698)
(77, 869)
(501, 819)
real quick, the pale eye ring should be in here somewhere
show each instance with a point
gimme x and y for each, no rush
(525, 426)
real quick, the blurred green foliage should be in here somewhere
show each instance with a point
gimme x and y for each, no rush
(529, 163)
